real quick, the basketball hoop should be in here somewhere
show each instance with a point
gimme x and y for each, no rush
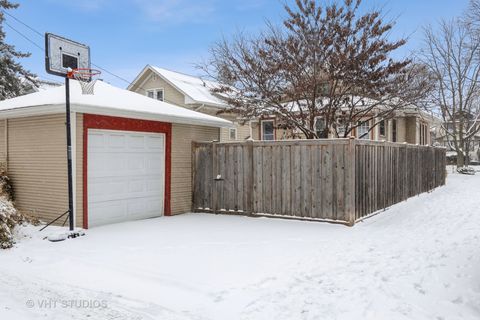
(85, 77)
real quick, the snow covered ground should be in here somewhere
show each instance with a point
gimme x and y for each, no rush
(418, 260)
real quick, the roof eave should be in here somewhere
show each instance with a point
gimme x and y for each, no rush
(139, 76)
(29, 111)
(151, 116)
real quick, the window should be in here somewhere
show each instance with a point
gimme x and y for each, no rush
(341, 127)
(423, 133)
(363, 130)
(381, 128)
(320, 128)
(232, 133)
(394, 130)
(160, 94)
(268, 130)
(156, 94)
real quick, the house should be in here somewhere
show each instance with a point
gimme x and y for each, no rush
(192, 93)
(131, 154)
(410, 125)
(445, 133)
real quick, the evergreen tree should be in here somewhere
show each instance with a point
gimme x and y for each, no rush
(12, 74)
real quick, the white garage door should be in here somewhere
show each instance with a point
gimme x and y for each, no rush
(125, 176)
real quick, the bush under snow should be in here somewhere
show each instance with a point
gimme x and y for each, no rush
(9, 216)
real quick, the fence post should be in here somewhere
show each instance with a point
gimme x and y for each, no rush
(194, 169)
(406, 182)
(350, 182)
(249, 185)
(214, 176)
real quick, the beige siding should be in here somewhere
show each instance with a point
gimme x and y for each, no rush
(79, 170)
(182, 137)
(411, 131)
(243, 132)
(37, 164)
(401, 130)
(153, 81)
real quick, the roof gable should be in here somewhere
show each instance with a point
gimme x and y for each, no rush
(195, 89)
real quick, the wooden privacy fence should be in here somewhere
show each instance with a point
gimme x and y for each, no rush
(340, 180)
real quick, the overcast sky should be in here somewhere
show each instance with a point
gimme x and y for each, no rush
(125, 35)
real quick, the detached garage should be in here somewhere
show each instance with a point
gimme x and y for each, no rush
(132, 154)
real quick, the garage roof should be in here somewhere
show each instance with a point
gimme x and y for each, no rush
(107, 100)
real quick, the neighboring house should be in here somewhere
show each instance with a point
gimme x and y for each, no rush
(444, 139)
(132, 154)
(411, 126)
(192, 93)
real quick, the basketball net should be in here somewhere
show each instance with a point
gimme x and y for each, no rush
(85, 78)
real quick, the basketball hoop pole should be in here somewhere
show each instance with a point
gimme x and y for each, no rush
(69, 154)
(71, 60)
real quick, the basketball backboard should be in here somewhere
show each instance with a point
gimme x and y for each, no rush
(62, 53)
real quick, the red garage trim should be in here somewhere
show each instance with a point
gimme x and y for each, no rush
(91, 121)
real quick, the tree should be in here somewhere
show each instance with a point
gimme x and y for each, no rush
(325, 61)
(452, 56)
(11, 72)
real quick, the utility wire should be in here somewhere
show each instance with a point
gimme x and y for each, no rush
(18, 20)
(110, 73)
(24, 36)
(43, 49)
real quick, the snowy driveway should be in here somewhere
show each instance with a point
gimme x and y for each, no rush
(418, 260)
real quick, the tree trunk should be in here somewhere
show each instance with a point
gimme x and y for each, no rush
(460, 158)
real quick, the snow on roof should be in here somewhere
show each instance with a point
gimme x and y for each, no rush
(107, 100)
(194, 87)
(46, 84)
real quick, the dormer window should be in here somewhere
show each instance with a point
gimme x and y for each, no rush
(156, 94)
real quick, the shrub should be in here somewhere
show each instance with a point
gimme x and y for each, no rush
(10, 217)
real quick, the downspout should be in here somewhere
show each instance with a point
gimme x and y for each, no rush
(250, 130)
(6, 145)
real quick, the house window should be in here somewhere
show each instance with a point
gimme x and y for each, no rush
(381, 128)
(232, 133)
(320, 127)
(341, 127)
(423, 134)
(268, 130)
(394, 130)
(363, 130)
(156, 94)
(160, 94)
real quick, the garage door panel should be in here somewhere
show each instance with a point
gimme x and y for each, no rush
(137, 186)
(96, 141)
(143, 207)
(107, 188)
(116, 141)
(125, 176)
(154, 185)
(136, 142)
(154, 163)
(123, 187)
(154, 143)
(112, 212)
